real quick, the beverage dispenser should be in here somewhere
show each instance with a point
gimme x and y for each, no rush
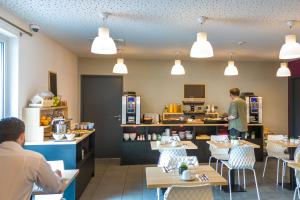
(254, 109)
(131, 109)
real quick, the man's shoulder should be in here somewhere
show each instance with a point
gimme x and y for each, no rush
(33, 154)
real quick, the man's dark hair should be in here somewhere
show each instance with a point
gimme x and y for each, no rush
(235, 91)
(10, 129)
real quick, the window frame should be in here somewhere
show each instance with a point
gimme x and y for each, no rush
(3, 65)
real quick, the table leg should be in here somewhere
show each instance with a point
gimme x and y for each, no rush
(234, 187)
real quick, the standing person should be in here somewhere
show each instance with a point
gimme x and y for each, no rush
(237, 114)
(19, 168)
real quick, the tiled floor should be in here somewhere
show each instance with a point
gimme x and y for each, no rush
(116, 182)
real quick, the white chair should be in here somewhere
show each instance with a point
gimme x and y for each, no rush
(284, 165)
(217, 153)
(198, 192)
(275, 151)
(297, 173)
(164, 159)
(167, 153)
(241, 157)
(188, 160)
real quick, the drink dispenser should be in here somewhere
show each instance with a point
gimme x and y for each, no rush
(131, 109)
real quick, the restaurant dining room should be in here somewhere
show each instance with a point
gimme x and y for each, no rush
(149, 100)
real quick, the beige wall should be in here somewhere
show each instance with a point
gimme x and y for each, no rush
(152, 80)
(38, 55)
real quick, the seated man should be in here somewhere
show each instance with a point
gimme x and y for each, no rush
(19, 168)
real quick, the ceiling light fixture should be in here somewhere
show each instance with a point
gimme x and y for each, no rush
(177, 68)
(120, 67)
(103, 43)
(283, 70)
(291, 48)
(231, 69)
(201, 47)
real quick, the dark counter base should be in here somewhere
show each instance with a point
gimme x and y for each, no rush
(139, 152)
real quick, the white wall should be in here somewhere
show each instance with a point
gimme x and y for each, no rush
(152, 80)
(38, 55)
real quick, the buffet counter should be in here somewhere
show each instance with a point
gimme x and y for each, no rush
(136, 148)
(76, 154)
(49, 141)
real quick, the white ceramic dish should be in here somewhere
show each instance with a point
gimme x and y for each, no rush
(132, 136)
(126, 136)
(58, 136)
(70, 136)
(191, 178)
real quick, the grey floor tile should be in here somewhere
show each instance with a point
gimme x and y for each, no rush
(115, 182)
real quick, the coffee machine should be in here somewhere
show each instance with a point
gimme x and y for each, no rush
(131, 109)
(254, 109)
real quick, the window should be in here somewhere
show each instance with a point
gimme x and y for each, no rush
(2, 70)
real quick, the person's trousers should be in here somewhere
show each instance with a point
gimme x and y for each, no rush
(235, 133)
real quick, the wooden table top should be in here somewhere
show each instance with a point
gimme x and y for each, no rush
(183, 144)
(229, 145)
(286, 144)
(294, 166)
(157, 178)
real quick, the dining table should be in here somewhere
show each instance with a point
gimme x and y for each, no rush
(291, 146)
(155, 145)
(158, 177)
(229, 144)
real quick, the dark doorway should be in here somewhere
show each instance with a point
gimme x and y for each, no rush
(295, 107)
(101, 103)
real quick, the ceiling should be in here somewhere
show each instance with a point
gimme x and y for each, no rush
(157, 29)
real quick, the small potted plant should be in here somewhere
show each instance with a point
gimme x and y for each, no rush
(292, 139)
(234, 140)
(183, 166)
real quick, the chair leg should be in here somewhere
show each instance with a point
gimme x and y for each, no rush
(239, 180)
(277, 173)
(296, 190)
(266, 161)
(158, 193)
(229, 183)
(221, 173)
(244, 178)
(217, 164)
(257, 191)
(209, 160)
(283, 173)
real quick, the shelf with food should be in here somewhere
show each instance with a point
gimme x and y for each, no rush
(53, 108)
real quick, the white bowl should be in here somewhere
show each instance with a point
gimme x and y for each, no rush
(126, 136)
(132, 136)
(70, 136)
(58, 136)
(189, 136)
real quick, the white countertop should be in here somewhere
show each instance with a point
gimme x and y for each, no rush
(61, 142)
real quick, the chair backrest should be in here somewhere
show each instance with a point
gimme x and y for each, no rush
(198, 192)
(177, 160)
(169, 138)
(242, 157)
(273, 147)
(167, 153)
(218, 138)
(297, 160)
